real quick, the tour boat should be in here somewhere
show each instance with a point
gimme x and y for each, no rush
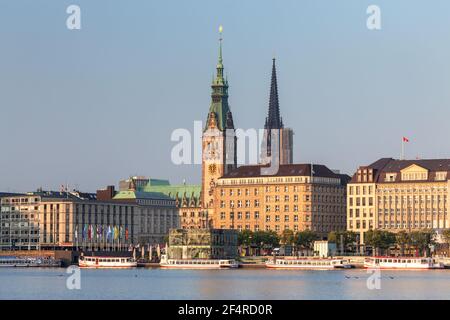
(197, 263)
(308, 264)
(100, 262)
(29, 262)
(409, 263)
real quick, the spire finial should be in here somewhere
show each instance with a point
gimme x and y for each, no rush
(220, 44)
(273, 120)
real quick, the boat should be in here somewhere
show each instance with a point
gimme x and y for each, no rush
(308, 264)
(106, 262)
(11, 262)
(197, 263)
(404, 263)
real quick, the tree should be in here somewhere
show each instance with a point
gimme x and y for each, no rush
(342, 239)
(402, 239)
(287, 237)
(245, 238)
(379, 239)
(305, 239)
(422, 240)
(265, 239)
(446, 235)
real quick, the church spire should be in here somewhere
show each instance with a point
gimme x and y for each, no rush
(219, 111)
(273, 120)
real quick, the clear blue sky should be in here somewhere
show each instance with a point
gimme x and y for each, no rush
(90, 107)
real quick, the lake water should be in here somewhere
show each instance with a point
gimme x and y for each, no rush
(34, 283)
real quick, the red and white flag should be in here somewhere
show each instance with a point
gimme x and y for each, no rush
(405, 139)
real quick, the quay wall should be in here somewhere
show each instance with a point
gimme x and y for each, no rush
(28, 253)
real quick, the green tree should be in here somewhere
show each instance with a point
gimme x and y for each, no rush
(422, 240)
(446, 236)
(348, 238)
(266, 239)
(379, 239)
(287, 237)
(245, 238)
(305, 239)
(402, 239)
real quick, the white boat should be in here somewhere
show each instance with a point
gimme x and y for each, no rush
(197, 263)
(308, 264)
(101, 262)
(409, 263)
(10, 262)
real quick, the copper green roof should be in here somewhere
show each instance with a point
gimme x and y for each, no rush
(175, 190)
(130, 194)
(219, 96)
(158, 182)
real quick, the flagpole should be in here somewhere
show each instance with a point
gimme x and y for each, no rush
(403, 149)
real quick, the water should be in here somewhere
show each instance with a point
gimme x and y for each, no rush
(35, 283)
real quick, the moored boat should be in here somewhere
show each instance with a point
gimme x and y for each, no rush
(11, 261)
(103, 262)
(308, 264)
(197, 263)
(408, 263)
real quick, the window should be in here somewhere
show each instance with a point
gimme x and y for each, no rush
(440, 176)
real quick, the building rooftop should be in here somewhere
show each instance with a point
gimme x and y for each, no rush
(287, 170)
(385, 166)
(130, 194)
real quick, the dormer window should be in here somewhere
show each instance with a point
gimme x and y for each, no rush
(414, 173)
(390, 177)
(441, 176)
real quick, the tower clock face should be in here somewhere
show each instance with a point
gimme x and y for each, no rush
(212, 168)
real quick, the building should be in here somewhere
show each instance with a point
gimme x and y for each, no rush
(219, 140)
(324, 249)
(202, 244)
(281, 149)
(187, 201)
(75, 220)
(298, 197)
(397, 195)
(157, 214)
(66, 220)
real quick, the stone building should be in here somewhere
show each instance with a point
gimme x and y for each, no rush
(298, 197)
(76, 220)
(397, 195)
(66, 220)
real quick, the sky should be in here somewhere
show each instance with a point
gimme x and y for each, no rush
(92, 106)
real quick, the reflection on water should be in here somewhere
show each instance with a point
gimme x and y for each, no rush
(222, 284)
